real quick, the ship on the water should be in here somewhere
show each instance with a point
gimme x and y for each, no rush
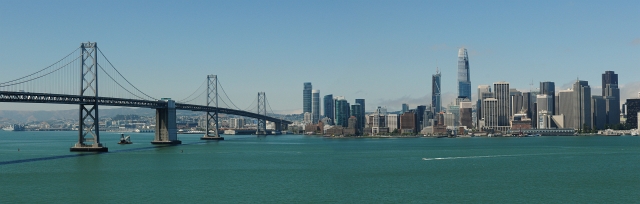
(14, 127)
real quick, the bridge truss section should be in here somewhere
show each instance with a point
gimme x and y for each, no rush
(262, 110)
(88, 128)
(212, 127)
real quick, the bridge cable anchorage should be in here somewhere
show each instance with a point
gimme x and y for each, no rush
(225, 93)
(114, 68)
(194, 92)
(44, 68)
(119, 83)
(32, 79)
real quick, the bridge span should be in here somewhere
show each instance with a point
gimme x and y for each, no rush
(55, 84)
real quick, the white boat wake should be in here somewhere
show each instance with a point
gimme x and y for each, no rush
(486, 156)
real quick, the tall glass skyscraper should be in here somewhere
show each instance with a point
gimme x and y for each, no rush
(306, 98)
(611, 94)
(464, 82)
(315, 104)
(361, 118)
(609, 77)
(435, 92)
(329, 108)
(342, 111)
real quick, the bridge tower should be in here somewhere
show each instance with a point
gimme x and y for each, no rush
(88, 128)
(212, 127)
(262, 110)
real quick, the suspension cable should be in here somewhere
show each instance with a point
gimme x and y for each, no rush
(194, 92)
(225, 93)
(42, 69)
(123, 76)
(22, 82)
(118, 83)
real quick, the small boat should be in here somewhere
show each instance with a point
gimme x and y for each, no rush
(124, 140)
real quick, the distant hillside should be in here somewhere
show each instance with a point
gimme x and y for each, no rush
(29, 116)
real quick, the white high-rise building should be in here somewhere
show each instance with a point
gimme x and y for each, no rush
(392, 122)
(315, 106)
(490, 113)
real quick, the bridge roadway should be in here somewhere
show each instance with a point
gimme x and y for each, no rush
(27, 97)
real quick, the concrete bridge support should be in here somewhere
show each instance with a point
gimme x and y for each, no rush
(166, 131)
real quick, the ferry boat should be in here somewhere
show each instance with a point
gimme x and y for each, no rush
(13, 127)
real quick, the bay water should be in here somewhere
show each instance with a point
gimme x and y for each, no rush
(37, 167)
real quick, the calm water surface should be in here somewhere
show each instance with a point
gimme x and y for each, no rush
(301, 169)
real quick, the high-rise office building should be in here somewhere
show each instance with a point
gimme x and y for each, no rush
(408, 122)
(315, 106)
(393, 122)
(306, 97)
(464, 82)
(598, 112)
(405, 107)
(565, 102)
(632, 110)
(329, 108)
(356, 111)
(362, 118)
(501, 93)
(465, 114)
(581, 105)
(544, 103)
(420, 116)
(544, 107)
(342, 111)
(609, 77)
(490, 113)
(435, 92)
(611, 95)
(516, 101)
(526, 103)
(484, 92)
(549, 88)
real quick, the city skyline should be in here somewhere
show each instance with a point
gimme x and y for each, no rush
(276, 45)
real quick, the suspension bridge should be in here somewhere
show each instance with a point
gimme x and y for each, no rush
(60, 83)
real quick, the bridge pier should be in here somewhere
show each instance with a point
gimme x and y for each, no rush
(166, 131)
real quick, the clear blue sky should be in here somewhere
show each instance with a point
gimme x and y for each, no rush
(382, 51)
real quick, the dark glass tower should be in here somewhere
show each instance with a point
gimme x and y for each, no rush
(361, 119)
(342, 112)
(435, 92)
(464, 82)
(611, 94)
(329, 108)
(306, 98)
(549, 88)
(609, 77)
